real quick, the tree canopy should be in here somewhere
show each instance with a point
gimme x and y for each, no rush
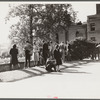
(41, 19)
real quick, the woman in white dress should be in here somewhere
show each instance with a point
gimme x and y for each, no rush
(35, 56)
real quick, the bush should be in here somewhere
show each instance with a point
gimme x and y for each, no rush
(5, 54)
(80, 49)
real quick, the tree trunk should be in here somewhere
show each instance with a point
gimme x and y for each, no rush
(31, 37)
(31, 19)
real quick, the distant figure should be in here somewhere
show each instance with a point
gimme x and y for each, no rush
(62, 49)
(98, 50)
(45, 51)
(28, 50)
(57, 56)
(35, 55)
(13, 59)
(40, 58)
(51, 48)
(93, 52)
(69, 52)
(66, 51)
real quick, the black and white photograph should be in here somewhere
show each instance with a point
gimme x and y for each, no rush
(50, 49)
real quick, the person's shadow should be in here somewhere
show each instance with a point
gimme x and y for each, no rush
(40, 71)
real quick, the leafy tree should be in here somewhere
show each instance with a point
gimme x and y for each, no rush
(42, 19)
(24, 27)
(54, 16)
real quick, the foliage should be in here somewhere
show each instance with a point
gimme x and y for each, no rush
(80, 49)
(5, 54)
(53, 16)
(41, 19)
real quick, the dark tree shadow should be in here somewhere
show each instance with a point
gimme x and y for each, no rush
(73, 71)
(64, 69)
(30, 74)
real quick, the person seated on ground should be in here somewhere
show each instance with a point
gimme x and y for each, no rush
(50, 65)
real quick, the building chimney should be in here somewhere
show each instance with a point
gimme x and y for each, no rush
(97, 8)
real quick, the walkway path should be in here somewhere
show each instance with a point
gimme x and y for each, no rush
(79, 79)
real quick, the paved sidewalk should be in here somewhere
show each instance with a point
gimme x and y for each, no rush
(77, 79)
(16, 75)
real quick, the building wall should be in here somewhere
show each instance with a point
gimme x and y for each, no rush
(96, 20)
(97, 8)
(71, 35)
(61, 35)
(84, 30)
(81, 29)
(96, 33)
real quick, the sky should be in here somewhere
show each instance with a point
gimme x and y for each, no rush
(83, 8)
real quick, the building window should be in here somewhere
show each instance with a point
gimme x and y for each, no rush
(93, 39)
(77, 33)
(92, 26)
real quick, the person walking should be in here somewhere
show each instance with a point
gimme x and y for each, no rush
(14, 58)
(28, 49)
(57, 56)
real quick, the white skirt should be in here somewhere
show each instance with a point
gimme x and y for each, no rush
(35, 56)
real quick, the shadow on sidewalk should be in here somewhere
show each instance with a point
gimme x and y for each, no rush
(32, 72)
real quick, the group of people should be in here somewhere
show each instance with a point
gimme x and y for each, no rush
(50, 54)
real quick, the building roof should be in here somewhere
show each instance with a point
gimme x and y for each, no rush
(94, 16)
(79, 26)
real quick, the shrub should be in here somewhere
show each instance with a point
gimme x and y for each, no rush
(5, 54)
(80, 49)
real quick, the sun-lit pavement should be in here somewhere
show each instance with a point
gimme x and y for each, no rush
(77, 79)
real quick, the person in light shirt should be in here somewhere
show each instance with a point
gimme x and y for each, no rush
(35, 55)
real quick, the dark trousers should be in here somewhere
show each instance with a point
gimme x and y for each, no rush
(27, 58)
(50, 66)
(45, 56)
